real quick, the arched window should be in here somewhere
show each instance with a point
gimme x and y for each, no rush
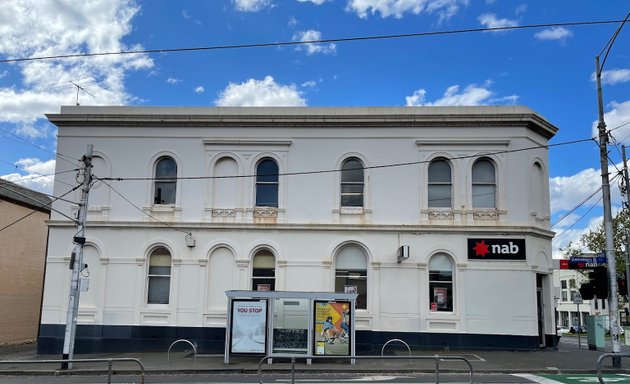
(267, 183)
(352, 183)
(351, 273)
(440, 186)
(264, 271)
(440, 283)
(484, 186)
(159, 276)
(537, 191)
(165, 181)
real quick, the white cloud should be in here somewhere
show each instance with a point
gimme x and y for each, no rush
(33, 179)
(31, 28)
(617, 118)
(3, 74)
(251, 5)
(318, 2)
(614, 76)
(490, 20)
(471, 95)
(565, 236)
(568, 191)
(264, 92)
(309, 84)
(554, 33)
(32, 132)
(445, 9)
(311, 49)
(521, 9)
(172, 80)
(200, 89)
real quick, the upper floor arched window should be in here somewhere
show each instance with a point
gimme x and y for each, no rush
(352, 183)
(165, 185)
(267, 183)
(484, 185)
(440, 184)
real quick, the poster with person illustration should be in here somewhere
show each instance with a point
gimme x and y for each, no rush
(332, 328)
(249, 326)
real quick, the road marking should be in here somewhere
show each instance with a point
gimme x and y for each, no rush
(536, 379)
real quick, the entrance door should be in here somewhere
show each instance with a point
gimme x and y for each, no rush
(540, 310)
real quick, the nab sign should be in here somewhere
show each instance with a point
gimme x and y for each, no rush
(496, 249)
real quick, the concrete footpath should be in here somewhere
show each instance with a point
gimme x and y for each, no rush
(569, 358)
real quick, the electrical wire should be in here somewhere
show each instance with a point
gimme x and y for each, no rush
(39, 175)
(321, 41)
(17, 138)
(299, 173)
(140, 209)
(49, 205)
(578, 220)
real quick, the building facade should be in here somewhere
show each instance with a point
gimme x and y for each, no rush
(23, 239)
(570, 315)
(192, 202)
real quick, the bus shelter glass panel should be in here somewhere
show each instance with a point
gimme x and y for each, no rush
(290, 325)
(332, 328)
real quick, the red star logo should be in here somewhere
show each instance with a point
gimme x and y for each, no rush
(481, 248)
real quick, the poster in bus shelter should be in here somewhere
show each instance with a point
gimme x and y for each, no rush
(332, 328)
(249, 326)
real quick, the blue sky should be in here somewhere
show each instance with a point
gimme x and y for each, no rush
(547, 69)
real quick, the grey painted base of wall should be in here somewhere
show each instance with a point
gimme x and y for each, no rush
(121, 338)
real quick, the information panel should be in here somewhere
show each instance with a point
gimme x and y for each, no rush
(249, 326)
(332, 328)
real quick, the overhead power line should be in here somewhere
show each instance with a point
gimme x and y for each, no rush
(299, 173)
(321, 41)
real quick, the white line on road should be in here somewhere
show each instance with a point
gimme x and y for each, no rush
(536, 379)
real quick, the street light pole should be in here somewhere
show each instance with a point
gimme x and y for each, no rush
(613, 305)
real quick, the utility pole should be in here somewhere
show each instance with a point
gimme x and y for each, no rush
(613, 305)
(626, 191)
(76, 262)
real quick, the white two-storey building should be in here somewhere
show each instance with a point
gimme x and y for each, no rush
(306, 199)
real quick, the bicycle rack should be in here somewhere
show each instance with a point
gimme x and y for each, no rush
(110, 363)
(168, 354)
(436, 358)
(400, 341)
(601, 358)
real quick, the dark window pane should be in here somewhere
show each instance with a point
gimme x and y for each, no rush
(441, 297)
(439, 171)
(352, 188)
(263, 272)
(159, 289)
(267, 171)
(483, 171)
(353, 278)
(165, 192)
(352, 200)
(352, 171)
(484, 196)
(166, 168)
(439, 196)
(267, 195)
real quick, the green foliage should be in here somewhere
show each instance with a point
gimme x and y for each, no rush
(595, 241)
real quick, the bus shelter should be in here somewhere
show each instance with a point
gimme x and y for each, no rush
(282, 323)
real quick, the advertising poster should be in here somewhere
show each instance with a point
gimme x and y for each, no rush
(332, 328)
(249, 326)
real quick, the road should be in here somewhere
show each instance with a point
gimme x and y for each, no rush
(311, 379)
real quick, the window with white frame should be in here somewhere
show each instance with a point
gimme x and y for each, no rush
(351, 273)
(440, 283)
(264, 271)
(439, 184)
(165, 184)
(484, 186)
(267, 183)
(159, 276)
(352, 183)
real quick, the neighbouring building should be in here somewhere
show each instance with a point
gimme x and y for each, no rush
(307, 199)
(567, 284)
(23, 239)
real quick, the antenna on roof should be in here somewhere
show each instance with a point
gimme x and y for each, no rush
(80, 88)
